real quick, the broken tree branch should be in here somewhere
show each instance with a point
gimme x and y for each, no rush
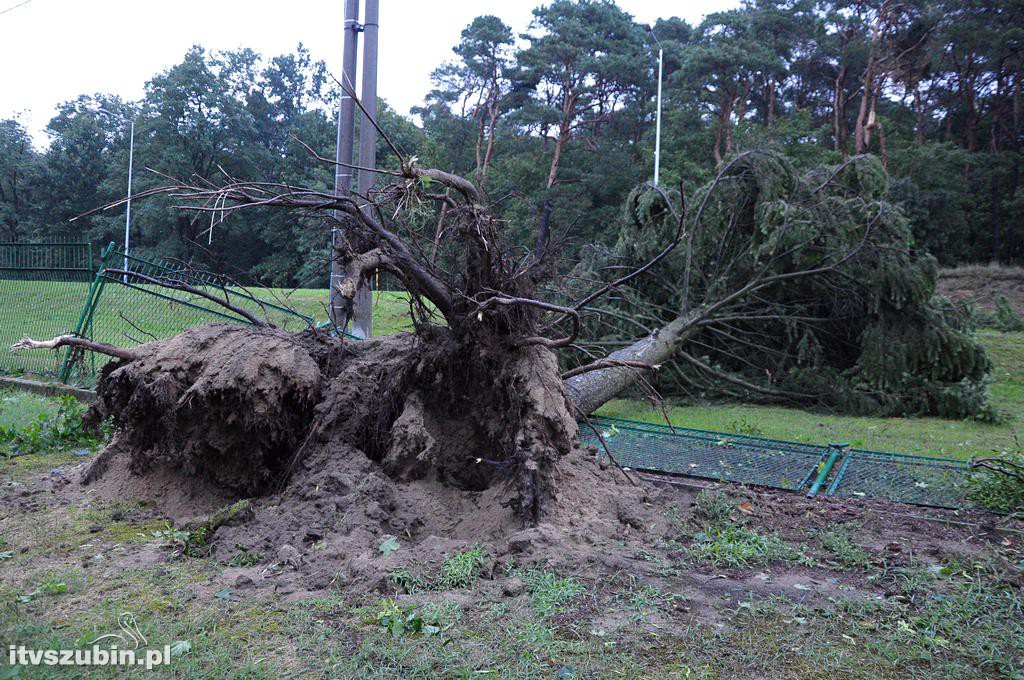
(74, 341)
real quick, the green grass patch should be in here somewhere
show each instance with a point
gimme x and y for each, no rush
(549, 592)
(737, 546)
(844, 551)
(460, 570)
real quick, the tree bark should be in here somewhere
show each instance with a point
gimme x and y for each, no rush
(589, 391)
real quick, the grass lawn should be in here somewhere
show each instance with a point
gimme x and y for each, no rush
(961, 439)
(126, 316)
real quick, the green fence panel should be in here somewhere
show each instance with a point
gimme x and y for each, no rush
(43, 287)
(126, 310)
(919, 480)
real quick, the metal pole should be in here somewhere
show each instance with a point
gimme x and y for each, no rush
(362, 312)
(657, 125)
(343, 152)
(128, 209)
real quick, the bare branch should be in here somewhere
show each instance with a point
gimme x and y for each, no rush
(609, 363)
(74, 341)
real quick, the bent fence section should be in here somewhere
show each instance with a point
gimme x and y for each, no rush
(52, 289)
(830, 469)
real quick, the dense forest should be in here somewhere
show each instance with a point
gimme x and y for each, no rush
(557, 125)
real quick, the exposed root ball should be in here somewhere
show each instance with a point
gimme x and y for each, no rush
(225, 403)
(340, 444)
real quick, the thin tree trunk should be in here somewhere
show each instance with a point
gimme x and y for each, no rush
(589, 391)
(839, 111)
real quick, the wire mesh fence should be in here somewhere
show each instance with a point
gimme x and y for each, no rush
(793, 466)
(134, 300)
(43, 288)
(919, 480)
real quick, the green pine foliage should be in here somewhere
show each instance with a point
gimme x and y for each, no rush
(866, 334)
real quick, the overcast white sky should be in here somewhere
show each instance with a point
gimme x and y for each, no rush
(54, 50)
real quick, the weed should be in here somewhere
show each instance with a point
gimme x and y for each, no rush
(407, 582)
(246, 557)
(734, 546)
(744, 426)
(47, 431)
(846, 553)
(641, 600)
(549, 592)
(713, 508)
(402, 621)
(171, 534)
(54, 587)
(460, 569)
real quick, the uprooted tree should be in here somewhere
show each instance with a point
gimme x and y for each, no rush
(474, 398)
(796, 288)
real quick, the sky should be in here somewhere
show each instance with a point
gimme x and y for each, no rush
(52, 51)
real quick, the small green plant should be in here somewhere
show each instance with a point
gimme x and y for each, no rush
(54, 587)
(997, 483)
(171, 534)
(744, 426)
(713, 508)
(48, 432)
(245, 557)
(461, 569)
(405, 581)
(846, 553)
(549, 592)
(405, 621)
(735, 546)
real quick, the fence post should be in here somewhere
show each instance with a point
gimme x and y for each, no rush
(91, 300)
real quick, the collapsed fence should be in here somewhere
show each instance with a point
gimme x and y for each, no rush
(52, 289)
(831, 470)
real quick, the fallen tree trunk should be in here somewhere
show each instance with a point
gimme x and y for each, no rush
(589, 391)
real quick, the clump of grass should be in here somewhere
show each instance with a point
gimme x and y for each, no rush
(713, 508)
(736, 546)
(460, 570)
(845, 551)
(549, 592)
(406, 581)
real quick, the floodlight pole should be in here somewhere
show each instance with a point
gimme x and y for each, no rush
(657, 115)
(128, 200)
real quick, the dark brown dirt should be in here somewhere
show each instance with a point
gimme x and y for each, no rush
(980, 285)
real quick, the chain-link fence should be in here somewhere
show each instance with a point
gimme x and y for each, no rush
(43, 288)
(833, 469)
(134, 300)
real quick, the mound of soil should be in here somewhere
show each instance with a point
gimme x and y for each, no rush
(981, 285)
(337, 447)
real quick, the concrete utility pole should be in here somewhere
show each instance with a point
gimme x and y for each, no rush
(362, 313)
(343, 153)
(128, 201)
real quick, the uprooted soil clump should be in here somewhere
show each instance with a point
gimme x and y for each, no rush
(340, 445)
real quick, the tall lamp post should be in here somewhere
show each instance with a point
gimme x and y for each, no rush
(128, 202)
(657, 116)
